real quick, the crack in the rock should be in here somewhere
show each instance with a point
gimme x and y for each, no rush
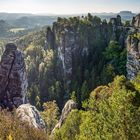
(4, 92)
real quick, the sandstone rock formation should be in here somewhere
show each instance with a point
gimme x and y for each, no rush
(133, 48)
(73, 46)
(69, 106)
(50, 42)
(13, 80)
(13, 87)
(28, 113)
(73, 40)
(68, 45)
(136, 21)
(133, 56)
(116, 21)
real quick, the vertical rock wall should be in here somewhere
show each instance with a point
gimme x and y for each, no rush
(136, 21)
(13, 80)
(133, 56)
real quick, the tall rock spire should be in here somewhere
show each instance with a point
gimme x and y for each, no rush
(133, 56)
(13, 80)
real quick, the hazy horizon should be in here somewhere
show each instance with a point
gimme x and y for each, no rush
(68, 7)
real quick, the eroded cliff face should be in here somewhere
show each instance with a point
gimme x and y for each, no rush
(75, 41)
(13, 87)
(69, 106)
(29, 114)
(133, 48)
(13, 80)
(68, 45)
(136, 21)
(133, 56)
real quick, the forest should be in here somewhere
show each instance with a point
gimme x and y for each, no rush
(83, 59)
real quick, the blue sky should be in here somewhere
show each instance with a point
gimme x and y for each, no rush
(68, 6)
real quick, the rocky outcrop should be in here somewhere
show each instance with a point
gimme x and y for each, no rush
(73, 39)
(29, 114)
(136, 21)
(133, 56)
(50, 39)
(13, 87)
(13, 80)
(116, 21)
(69, 106)
(73, 42)
(68, 45)
(133, 48)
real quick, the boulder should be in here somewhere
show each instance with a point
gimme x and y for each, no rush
(28, 113)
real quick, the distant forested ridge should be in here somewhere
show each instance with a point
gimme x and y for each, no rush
(20, 21)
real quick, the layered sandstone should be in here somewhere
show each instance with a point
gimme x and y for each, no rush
(69, 106)
(13, 80)
(29, 114)
(136, 21)
(133, 56)
(13, 87)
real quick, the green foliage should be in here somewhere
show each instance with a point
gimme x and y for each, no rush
(108, 73)
(84, 91)
(112, 51)
(43, 84)
(98, 64)
(137, 35)
(115, 62)
(50, 115)
(136, 82)
(73, 96)
(37, 100)
(71, 127)
(36, 38)
(13, 129)
(116, 56)
(110, 114)
(127, 23)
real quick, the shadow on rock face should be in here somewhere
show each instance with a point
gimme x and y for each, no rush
(13, 87)
(11, 46)
(69, 106)
(13, 79)
(28, 113)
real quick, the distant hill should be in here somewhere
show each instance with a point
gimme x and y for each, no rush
(30, 21)
(27, 20)
(13, 16)
(126, 15)
(33, 21)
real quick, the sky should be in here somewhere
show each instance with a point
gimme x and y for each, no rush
(68, 6)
